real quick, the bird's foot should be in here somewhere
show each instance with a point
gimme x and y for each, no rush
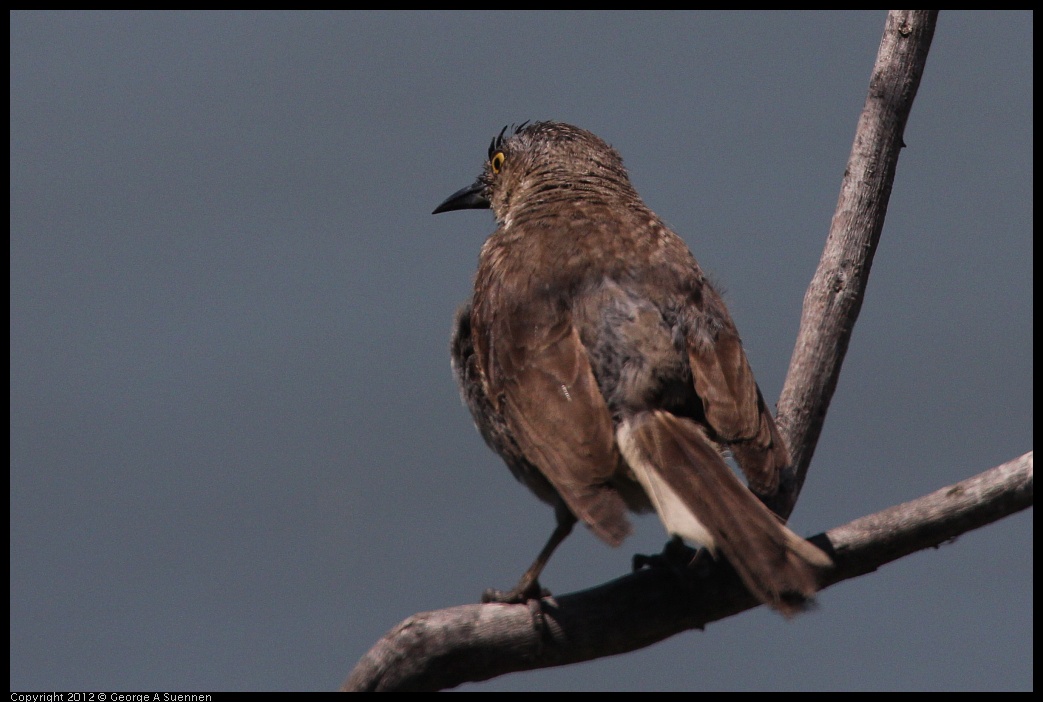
(676, 555)
(522, 592)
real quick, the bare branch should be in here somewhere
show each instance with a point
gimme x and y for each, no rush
(834, 298)
(442, 649)
(865, 544)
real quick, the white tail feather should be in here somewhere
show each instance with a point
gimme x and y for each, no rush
(676, 517)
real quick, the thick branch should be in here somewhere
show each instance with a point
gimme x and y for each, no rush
(437, 650)
(834, 298)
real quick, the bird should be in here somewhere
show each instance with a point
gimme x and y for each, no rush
(598, 360)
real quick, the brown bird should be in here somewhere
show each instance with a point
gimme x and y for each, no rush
(601, 364)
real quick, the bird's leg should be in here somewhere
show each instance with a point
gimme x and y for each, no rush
(528, 588)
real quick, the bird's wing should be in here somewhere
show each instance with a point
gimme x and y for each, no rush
(734, 407)
(543, 382)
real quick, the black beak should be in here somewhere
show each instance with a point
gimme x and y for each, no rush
(470, 198)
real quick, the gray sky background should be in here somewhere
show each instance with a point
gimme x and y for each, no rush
(238, 456)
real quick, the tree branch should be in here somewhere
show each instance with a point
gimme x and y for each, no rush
(442, 649)
(834, 298)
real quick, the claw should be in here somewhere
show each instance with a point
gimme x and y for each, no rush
(516, 596)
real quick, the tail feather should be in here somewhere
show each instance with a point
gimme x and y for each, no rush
(699, 498)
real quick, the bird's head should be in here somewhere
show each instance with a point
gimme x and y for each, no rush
(541, 162)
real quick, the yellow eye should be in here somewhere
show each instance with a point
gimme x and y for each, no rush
(497, 161)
